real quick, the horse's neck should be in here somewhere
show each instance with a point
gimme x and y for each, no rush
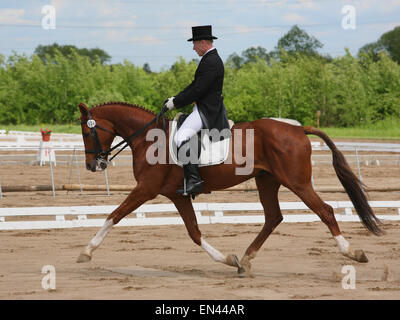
(128, 120)
(125, 120)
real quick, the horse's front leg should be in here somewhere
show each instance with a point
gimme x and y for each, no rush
(136, 198)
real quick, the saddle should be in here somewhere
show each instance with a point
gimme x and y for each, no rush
(210, 152)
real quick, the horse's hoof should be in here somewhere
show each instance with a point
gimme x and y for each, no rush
(360, 256)
(242, 272)
(83, 257)
(233, 260)
(244, 268)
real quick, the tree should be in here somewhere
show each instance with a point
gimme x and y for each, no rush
(298, 41)
(146, 68)
(389, 41)
(250, 55)
(67, 50)
(235, 61)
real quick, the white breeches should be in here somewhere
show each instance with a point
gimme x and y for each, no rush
(189, 127)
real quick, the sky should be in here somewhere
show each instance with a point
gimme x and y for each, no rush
(156, 31)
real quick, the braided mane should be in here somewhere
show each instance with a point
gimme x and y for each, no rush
(124, 104)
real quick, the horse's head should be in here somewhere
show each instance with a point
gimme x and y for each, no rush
(96, 141)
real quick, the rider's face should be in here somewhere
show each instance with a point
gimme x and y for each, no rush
(200, 46)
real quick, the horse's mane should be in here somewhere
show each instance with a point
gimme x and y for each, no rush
(124, 104)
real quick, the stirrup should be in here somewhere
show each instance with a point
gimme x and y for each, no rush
(184, 190)
(184, 187)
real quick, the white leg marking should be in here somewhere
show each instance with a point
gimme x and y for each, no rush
(214, 253)
(99, 237)
(343, 244)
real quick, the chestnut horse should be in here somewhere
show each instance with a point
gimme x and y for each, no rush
(282, 156)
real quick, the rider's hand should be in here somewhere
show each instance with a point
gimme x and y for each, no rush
(169, 103)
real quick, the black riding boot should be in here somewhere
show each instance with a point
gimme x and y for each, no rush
(192, 183)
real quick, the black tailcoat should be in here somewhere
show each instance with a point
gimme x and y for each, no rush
(206, 92)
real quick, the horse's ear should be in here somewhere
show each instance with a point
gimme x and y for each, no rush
(84, 109)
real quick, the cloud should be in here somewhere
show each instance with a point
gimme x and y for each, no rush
(116, 35)
(13, 16)
(102, 12)
(390, 6)
(149, 40)
(294, 18)
(297, 4)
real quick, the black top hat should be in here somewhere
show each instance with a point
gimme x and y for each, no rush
(202, 33)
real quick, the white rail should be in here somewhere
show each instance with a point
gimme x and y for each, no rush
(77, 216)
(19, 140)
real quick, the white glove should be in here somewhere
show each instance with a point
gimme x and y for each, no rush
(170, 103)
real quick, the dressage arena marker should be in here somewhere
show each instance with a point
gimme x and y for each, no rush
(81, 213)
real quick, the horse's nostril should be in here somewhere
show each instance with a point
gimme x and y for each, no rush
(103, 165)
(88, 166)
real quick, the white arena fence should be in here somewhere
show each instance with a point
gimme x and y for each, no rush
(78, 216)
(20, 140)
(30, 141)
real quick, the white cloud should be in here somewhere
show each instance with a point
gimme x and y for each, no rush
(107, 13)
(303, 4)
(390, 6)
(13, 16)
(297, 4)
(294, 18)
(149, 40)
(117, 35)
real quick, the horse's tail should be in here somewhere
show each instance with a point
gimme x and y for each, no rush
(352, 185)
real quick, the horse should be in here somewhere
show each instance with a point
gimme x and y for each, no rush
(281, 157)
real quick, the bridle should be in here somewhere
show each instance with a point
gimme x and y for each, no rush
(100, 154)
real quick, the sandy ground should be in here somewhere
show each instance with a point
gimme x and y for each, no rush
(298, 261)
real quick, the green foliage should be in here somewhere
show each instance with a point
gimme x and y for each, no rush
(389, 42)
(348, 91)
(298, 41)
(47, 53)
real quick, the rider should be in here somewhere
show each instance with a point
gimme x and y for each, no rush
(205, 91)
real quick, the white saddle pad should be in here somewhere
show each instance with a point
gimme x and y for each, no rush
(290, 121)
(211, 152)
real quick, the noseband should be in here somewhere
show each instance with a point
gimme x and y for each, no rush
(98, 151)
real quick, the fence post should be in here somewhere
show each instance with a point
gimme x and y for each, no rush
(358, 165)
(74, 159)
(106, 177)
(78, 171)
(71, 163)
(51, 173)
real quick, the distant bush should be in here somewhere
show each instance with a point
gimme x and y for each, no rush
(347, 90)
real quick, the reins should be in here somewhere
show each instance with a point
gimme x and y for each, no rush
(99, 152)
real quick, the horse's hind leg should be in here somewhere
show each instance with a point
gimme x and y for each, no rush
(268, 192)
(326, 214)
(185, 208)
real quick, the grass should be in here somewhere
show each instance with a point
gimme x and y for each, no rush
(363, 133)
(385, 130)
